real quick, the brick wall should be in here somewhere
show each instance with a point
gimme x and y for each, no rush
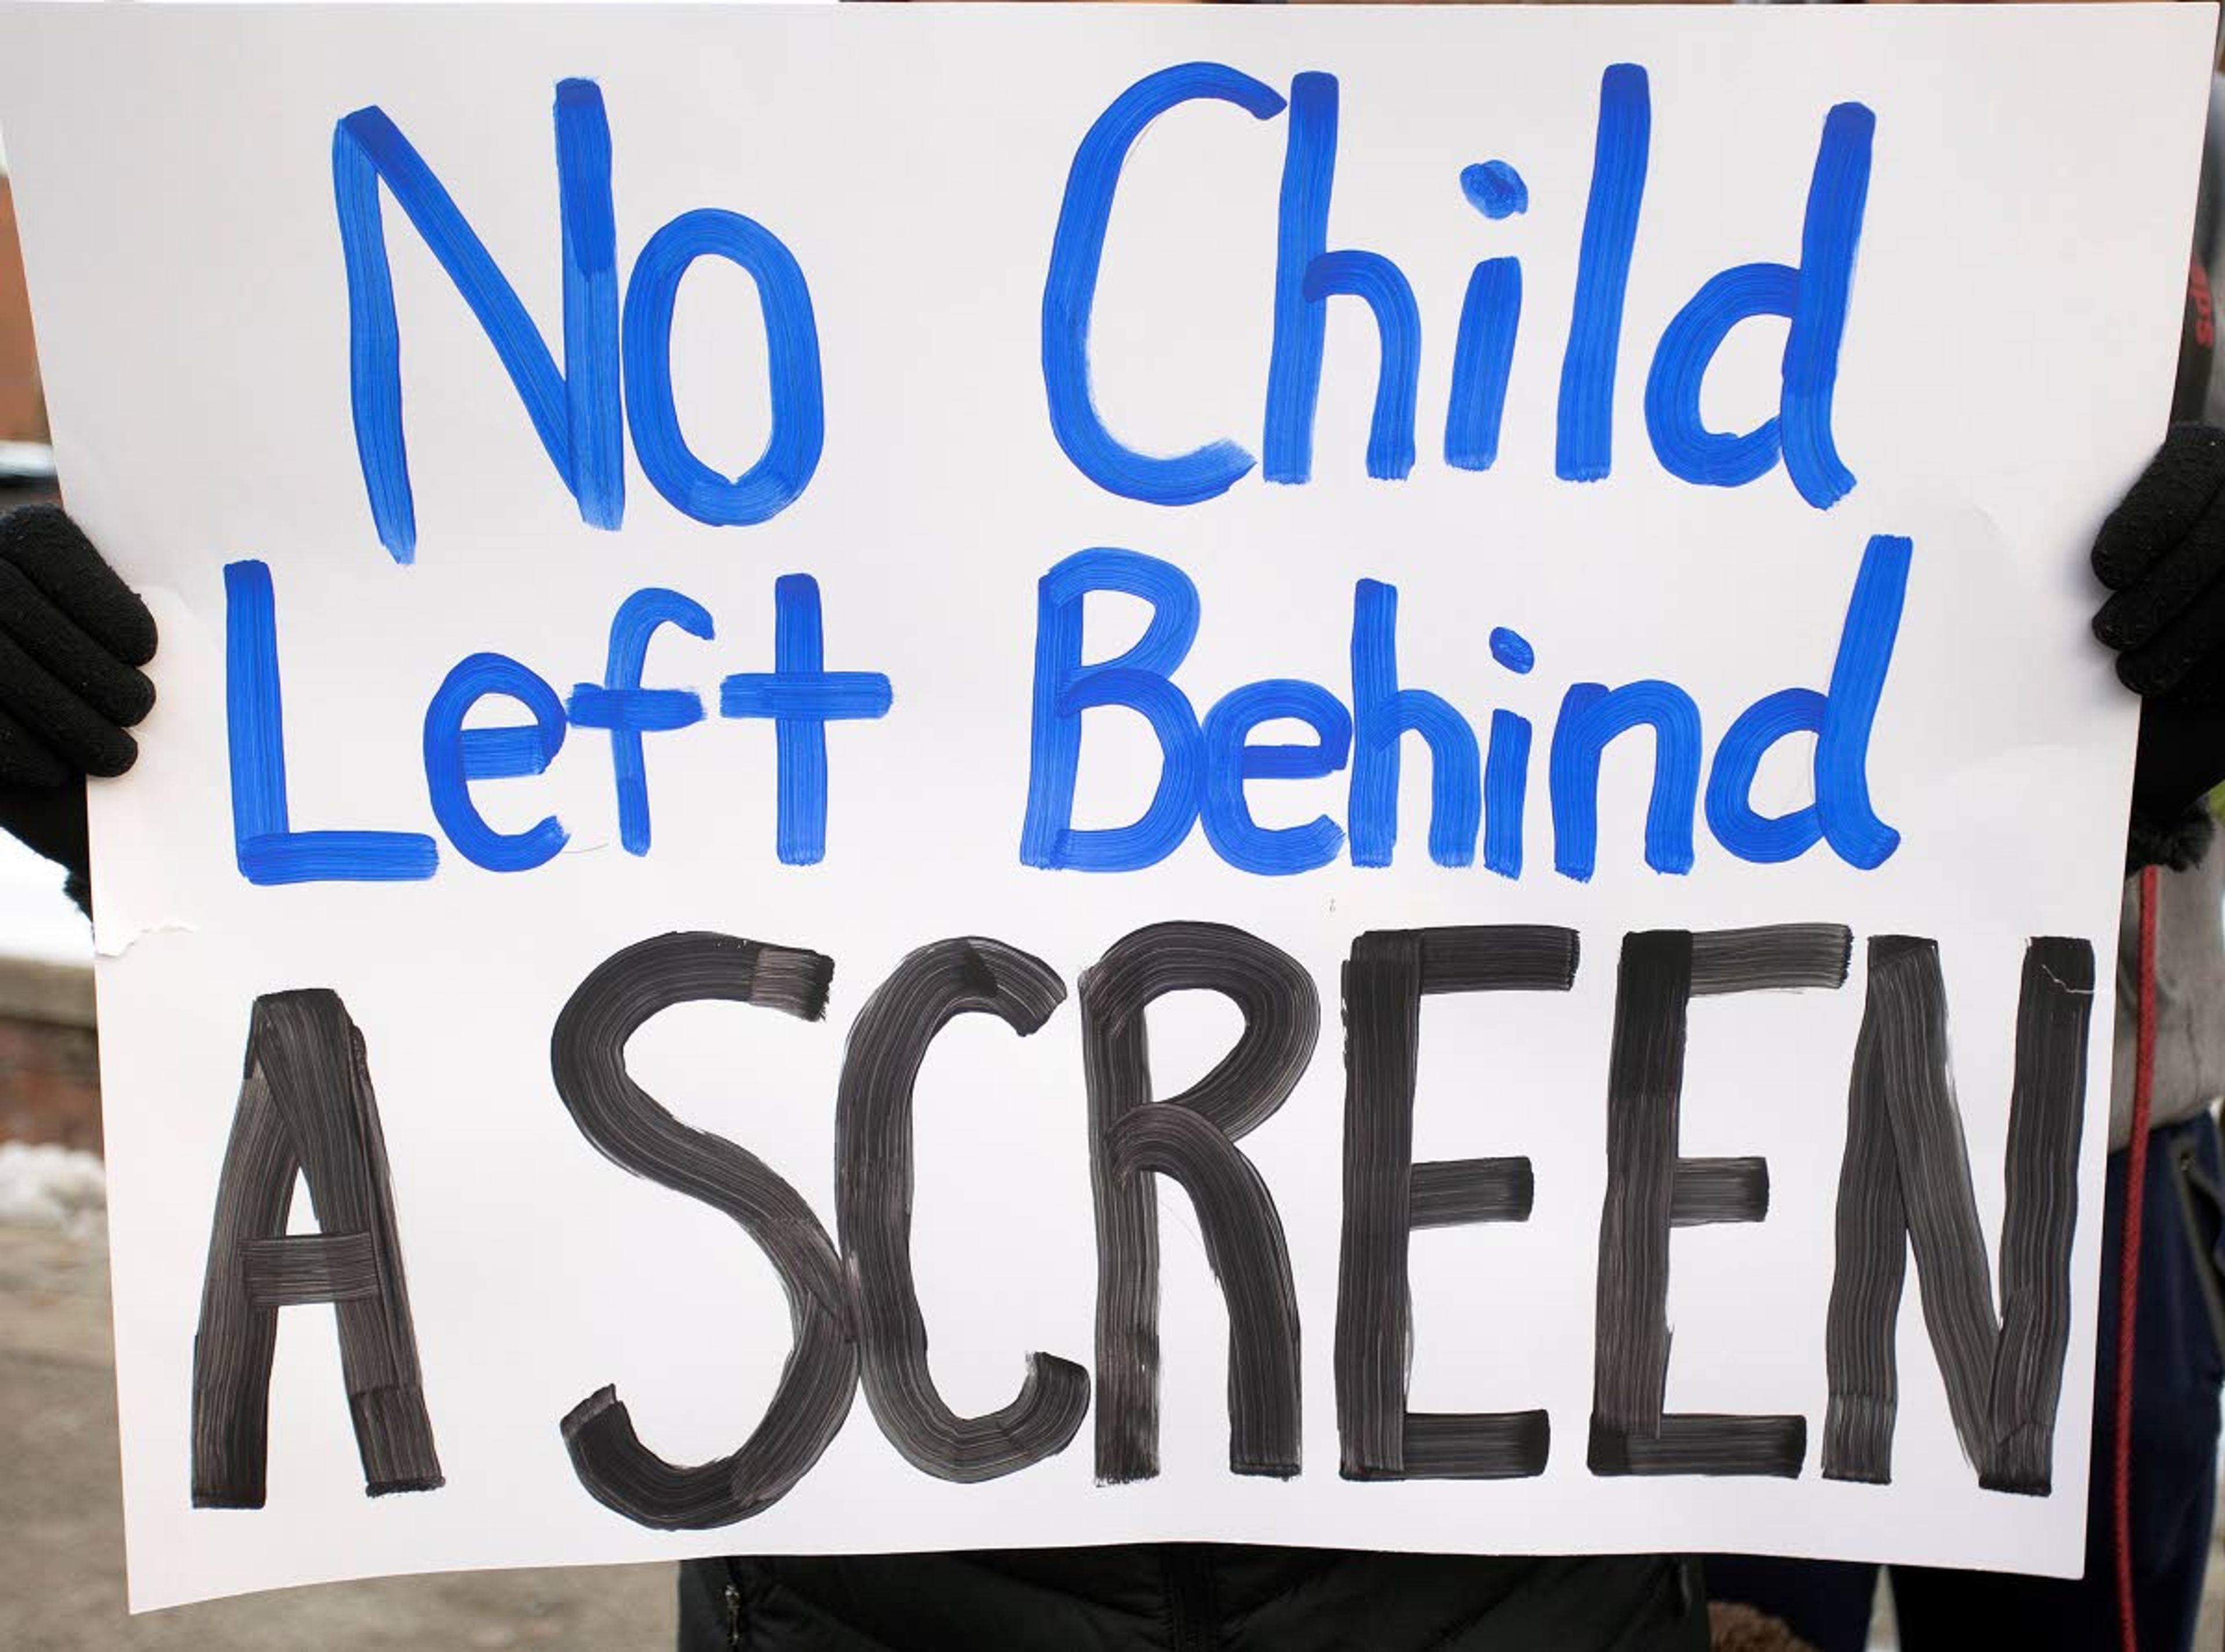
(22, 416)
(49, 1075)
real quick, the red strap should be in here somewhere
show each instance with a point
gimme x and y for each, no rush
(2129, 1272)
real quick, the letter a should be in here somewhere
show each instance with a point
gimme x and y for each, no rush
(306, 1108)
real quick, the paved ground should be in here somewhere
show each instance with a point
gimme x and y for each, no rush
(62, 1588)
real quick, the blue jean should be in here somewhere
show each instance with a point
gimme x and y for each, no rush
(2177, 1370)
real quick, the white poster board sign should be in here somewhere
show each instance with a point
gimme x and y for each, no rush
(748, 597)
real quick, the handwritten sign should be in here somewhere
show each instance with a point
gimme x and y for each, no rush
(1054, 776)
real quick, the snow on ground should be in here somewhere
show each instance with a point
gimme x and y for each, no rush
(37, 918)
(45, 1185)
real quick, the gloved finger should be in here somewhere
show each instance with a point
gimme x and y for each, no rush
(2194, 639)
(24, 761)
(114, 689)
(2162, 508)
(2201, 687)
(2141, 610)
(54, 555)
(58, 720)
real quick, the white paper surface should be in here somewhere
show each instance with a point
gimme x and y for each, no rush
(2002, 377)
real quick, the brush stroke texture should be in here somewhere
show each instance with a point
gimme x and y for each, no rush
(1140, 678)
(267, 847)
(1069, 294)
(575, 412)
(620, 703)
(1483, 360)
(1387, 1195)
(1905, 1181)
(456, 756)
(1584, 449)
(627, 1126)
(873, 1204)
(790, 458)
(1592, 716)
(1650, 1190)
(1192, 1137)
(801, 697)
(1307, 275)
(1231, 760)
(1813, 299)
(1383, 714)
(306, 1108)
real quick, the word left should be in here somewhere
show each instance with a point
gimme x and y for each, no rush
(798, 696)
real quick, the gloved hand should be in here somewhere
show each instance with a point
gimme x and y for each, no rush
(2162, 552)
(73, 636)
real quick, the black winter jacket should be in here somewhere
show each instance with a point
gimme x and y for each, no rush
(1192, 1597)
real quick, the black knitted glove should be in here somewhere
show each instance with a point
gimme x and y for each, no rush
(2162, 552)
(72, 637)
